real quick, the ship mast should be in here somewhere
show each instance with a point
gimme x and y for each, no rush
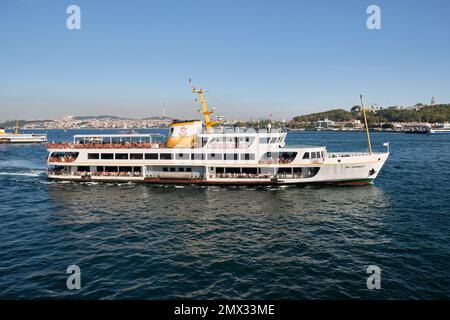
(206, 112)
(17, 126)
(365, 124)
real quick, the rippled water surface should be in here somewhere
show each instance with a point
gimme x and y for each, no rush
(157, 242)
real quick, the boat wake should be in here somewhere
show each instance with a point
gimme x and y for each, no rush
(24, 174)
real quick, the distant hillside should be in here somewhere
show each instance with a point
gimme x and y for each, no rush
(12, 123)
(334, 115)
(432, 114)
(437, 113)
(101, 117)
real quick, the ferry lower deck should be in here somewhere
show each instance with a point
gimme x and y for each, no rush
(348, 168)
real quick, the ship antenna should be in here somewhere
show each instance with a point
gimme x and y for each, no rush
(365, 123)
(206, 112)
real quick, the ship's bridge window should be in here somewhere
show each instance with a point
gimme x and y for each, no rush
(93, 156)
(165, 156)
(136, 156)
(107, 156)
(273, 140)
(264, 140)
(313, 155)
(151, 156)
(306, 155)
(121, 156)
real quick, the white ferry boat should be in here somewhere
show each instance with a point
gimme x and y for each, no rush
(203, 152)
(443, 129)
(17, 137)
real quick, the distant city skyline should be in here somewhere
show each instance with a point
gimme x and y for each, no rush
(256, 58)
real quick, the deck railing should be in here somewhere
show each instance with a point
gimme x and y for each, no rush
(123, 145)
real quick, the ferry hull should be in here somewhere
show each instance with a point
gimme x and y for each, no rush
(204, 182)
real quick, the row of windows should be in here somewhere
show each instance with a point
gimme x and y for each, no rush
(313, 155)
(270, 140)
(173, 169)
(108, 169)
(169, 156)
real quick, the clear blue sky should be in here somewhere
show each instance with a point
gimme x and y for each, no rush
(255, 57)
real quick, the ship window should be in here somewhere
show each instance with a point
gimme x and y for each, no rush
(231, 156)
(197, 156)
(285, 170)
(172, 169)
(136, 169)
(111, 169)
(298, 170)
(151, 156)
(125, 169)
(165, 169)
(247, 156)
(107, 156)
(136, 156)
(181, 169)
(306, 155)
(250, 170)
(310, 172)
(84, 169)
(188, 169)
(313, 155)
(214, 156)
(273, 140)
(182, 156)
(121, 156)
(100, 169)
(264, 140)
(233, 170)
(171, 130)
(93, 156)
(166, 156)
(220, 170)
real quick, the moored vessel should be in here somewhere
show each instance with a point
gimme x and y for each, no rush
(442, 129)
(204, 152)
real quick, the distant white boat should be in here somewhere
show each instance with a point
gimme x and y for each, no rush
(17, 137)
(444, 129)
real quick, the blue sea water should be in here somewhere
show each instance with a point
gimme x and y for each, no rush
(135, 241)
